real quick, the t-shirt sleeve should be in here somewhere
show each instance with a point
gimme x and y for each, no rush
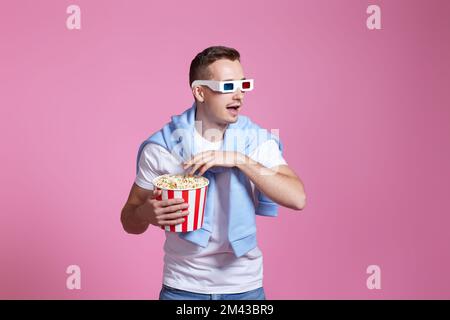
(153, 162)
(268, 154)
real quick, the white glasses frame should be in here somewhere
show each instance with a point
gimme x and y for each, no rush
(220, 85)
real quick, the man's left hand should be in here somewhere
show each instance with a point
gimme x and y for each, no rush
(207, 159)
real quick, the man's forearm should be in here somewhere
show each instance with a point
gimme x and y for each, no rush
(283, 189)
(131, 220)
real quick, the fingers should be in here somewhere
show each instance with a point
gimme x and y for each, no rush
(199, 157)
(170, 211)
(173, 208)
(170, 202)
(171, 222)
(200, 164)
(156, 193)
(202, 157)
(174, 215)
(162, 213)
(164, 203)
(205, 167)
(170, 219)
(167, 212)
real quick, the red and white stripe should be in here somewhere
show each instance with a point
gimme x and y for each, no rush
(196, 199)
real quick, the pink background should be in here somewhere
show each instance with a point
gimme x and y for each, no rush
(364, 117)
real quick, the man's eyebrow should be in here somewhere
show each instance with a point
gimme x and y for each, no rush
(233, 79)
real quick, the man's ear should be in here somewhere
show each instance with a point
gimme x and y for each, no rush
(198, 93)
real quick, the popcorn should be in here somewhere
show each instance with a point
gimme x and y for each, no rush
(180, 182)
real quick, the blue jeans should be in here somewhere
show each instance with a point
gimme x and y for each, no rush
(169, 293)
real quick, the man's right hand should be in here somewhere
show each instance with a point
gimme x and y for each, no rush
(163, 212)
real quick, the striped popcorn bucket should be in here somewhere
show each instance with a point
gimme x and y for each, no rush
(196, 198)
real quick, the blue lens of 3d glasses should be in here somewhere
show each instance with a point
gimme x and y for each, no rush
(228, 86)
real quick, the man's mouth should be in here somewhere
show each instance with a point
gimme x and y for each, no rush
(233, 110)
(235, 107)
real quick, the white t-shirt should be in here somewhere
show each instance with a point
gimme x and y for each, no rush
(214, 269)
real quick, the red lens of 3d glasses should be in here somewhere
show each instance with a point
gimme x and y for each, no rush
(246, 85)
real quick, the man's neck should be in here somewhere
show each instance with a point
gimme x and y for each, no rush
(203, 124)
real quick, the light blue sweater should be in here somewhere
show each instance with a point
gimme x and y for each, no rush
(242, 136)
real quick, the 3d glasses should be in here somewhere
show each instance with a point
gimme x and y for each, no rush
(226, 86)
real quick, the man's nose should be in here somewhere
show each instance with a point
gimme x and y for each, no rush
(238, 94)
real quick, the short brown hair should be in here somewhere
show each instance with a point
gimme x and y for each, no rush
(199, 66)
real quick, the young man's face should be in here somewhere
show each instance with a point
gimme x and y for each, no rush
(217, 105)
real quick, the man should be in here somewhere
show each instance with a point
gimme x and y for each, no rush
(221, 260)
